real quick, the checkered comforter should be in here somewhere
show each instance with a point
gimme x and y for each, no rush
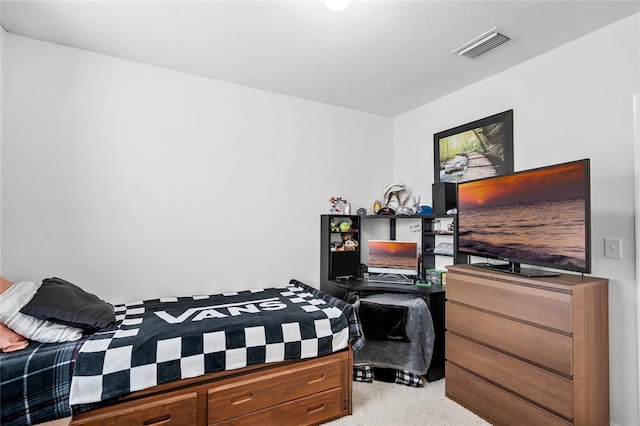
(162, 340)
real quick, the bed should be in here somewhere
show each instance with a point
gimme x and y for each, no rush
(242, 358)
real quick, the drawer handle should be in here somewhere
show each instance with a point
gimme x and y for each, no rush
(315, 408)
(242, 399)
(158, 420)
(316, 380)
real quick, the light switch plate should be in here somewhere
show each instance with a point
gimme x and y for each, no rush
(613, 248)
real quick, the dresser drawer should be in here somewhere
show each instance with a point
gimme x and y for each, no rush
(494, 404)
(260, 390)
(169, 410)
(547, 308)
(540, 346)
(550, 390)
(309, 410)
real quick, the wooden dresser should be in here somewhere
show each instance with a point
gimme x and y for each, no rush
(528, 351)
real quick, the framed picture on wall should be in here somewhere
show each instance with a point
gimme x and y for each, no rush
(475, 150)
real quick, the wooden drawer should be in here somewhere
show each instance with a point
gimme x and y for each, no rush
(549, 308)
(231, 398)
(494, 404)
(177, 410)
(309, 410)
(540, 346)
(550, 390)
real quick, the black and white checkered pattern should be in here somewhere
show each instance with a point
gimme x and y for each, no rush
(407, 378)
(162, 340)
(367, 373)
(363, 373)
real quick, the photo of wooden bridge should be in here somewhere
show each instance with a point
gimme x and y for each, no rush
(474, 152)
(478, 166)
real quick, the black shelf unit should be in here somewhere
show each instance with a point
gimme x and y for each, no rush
(431, 236)
(335, 264)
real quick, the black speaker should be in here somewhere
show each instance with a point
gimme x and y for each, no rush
(444, 197)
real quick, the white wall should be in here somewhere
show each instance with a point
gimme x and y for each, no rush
(636, 108)
(2, 37)
(135, 181)
(573, 102)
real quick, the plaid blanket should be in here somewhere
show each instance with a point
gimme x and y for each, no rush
(35, 382)
(162, 340)
(367, 373)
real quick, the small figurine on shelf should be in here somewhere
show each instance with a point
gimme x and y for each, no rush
(339, 206)
(345, 225)
(350, 245)
(348, 242)
(416, 205)
(395, 195)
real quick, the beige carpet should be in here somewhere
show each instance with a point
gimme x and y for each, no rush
(380, 403)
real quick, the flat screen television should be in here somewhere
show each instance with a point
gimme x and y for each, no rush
(393, 257)
(536, 217)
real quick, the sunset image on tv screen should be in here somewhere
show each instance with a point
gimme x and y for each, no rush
(535, 216)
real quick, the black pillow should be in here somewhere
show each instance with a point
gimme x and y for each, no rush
(383, 322)
(61, 302)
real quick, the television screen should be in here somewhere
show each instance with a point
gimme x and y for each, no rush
(537, 217)
(393, 257)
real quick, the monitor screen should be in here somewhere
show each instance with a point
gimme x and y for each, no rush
(393, 257)
(538, 217)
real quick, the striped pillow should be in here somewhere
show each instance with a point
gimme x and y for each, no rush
(18, 295)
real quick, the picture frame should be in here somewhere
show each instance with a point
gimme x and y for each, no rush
(475, 150)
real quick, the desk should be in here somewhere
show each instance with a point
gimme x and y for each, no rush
(434, 296)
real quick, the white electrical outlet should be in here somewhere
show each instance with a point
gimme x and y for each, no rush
(613, 248)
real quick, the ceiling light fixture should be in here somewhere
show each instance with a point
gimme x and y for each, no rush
(337, 5)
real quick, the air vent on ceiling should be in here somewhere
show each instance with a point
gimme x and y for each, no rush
(482, 44)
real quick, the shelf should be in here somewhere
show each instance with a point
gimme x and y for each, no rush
(430, 253)
(335, 263)
(414, 216)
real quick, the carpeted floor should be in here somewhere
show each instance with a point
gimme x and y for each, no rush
(383, 404)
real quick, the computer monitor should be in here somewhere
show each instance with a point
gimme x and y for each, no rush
(393, 257)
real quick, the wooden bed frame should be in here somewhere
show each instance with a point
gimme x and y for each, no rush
(309, 391)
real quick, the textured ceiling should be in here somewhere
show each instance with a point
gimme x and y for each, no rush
(384, 57)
